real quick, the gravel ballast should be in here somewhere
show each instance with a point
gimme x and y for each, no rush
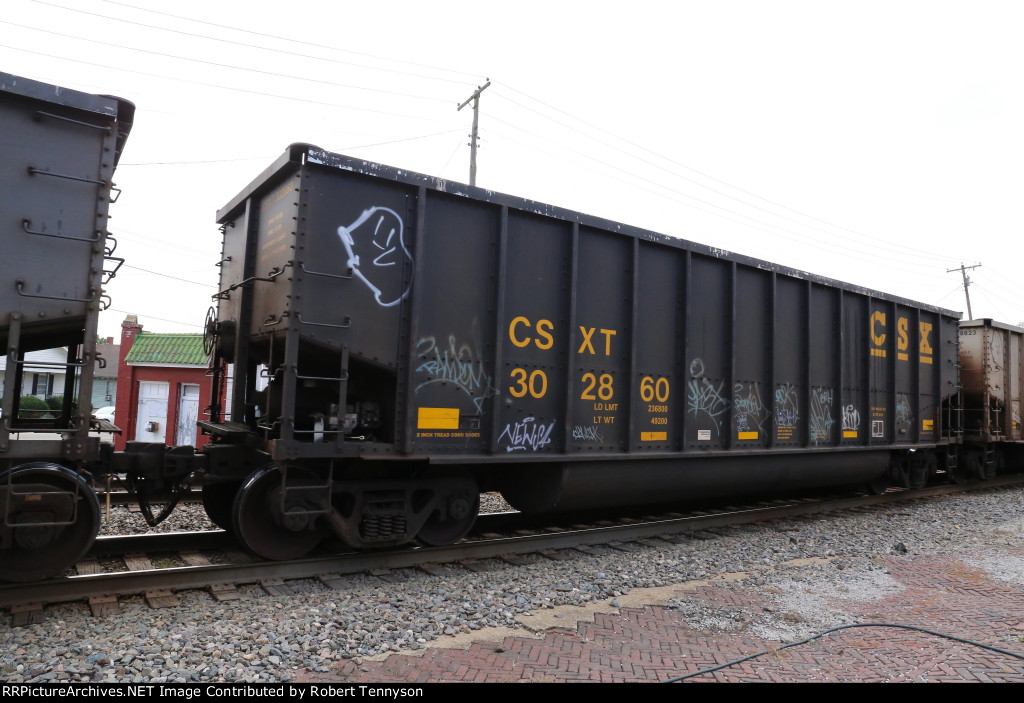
(806, 564)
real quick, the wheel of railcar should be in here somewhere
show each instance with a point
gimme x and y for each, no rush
(456, 506)
(919, 471)
(219, 503)
(931, 468)
(880, 484)
(52, 516)
(267, 530)
(968, 468)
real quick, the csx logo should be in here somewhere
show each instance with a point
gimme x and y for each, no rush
(879, 334)
(520, 334)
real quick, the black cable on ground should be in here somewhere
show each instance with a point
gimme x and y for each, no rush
(837, 629)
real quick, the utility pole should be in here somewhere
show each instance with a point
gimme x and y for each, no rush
(475, 99)
(967, 282)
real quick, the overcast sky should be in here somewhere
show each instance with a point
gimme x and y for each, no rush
(879, 143)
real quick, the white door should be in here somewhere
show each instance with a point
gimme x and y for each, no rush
(151, 419)
(188, 413)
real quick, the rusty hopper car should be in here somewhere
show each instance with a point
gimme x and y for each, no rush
(991, 367)
(392, 344)
(58, 150)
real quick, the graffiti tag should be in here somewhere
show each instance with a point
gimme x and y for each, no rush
(456, 364)
(587, 434)
(527, 434)
(750, 409)
(821, 416)
(377, 236)
(787, 406)
(851, 418)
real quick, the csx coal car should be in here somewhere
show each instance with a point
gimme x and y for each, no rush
(400, 343)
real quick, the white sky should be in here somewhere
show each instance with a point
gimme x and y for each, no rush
(878, 143)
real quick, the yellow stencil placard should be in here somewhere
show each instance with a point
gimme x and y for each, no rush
(746, 435)
(437, 419)
(653, 436)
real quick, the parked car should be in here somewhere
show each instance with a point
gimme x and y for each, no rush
(105, 413)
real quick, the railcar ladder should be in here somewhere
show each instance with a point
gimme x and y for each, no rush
(32, 492)
(318, 494)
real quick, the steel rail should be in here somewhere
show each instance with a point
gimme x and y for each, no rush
(81, 587)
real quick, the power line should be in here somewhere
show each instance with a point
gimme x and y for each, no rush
(295, 41)
(654, 186)
(267, 158)
(916, 252)
(167, 275)
(235, 43)
(261, 93)
(225, 65)
(151, 317)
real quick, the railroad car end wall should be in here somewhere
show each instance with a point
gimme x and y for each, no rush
(59, 150)
(991, 361)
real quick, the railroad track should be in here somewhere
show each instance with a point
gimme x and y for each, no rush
(158, 566)
(122, 497)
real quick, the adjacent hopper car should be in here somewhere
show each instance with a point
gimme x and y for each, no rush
(385, 346)
(58, 150)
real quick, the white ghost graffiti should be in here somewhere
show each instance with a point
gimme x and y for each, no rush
(380, 228)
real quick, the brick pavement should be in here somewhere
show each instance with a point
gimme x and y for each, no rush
(650, 643)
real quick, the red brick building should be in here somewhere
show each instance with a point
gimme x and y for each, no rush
(163, 387)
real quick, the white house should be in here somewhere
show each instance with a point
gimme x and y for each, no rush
(43, 378)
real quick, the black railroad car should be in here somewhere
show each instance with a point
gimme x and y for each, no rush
(400, 342)
(58, 150)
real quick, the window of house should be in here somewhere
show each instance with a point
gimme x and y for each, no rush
(42, 384)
